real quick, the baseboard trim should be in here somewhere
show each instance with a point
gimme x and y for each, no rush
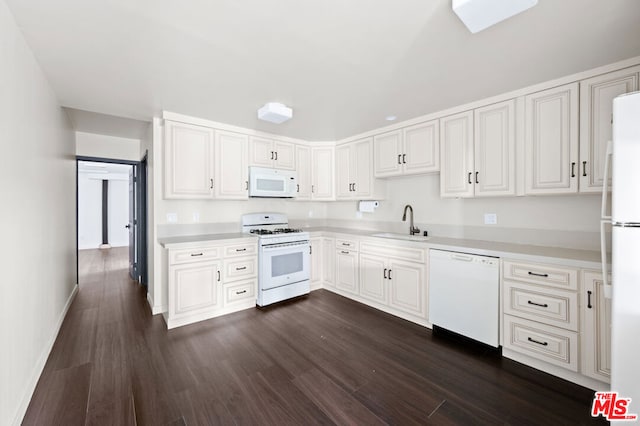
(155, 310)
(39, 367)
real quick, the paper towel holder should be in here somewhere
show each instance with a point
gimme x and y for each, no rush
(368, 206)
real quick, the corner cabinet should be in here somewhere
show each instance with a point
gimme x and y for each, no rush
(456, 152)
(303, 168)
(188, 161)
(409, 151)
(596, 118)
(354, 172)
(596, 328)
(551, 141)
(322, 173)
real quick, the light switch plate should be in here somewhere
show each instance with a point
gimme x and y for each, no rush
(172, 217)
(490, 219)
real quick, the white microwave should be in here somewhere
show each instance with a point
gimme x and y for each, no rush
(276, 183)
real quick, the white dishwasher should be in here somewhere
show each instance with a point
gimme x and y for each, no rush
(464, 294)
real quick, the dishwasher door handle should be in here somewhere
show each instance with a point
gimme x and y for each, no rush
(461, 257)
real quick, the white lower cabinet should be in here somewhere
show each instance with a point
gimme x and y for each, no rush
(540, 306)
(347, 270)
(596, 327)
(210, 279)
(316, 262)
(387, 278)
(328, 261)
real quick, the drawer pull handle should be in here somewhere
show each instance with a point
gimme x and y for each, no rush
(344, 252)
(241, 292)
(538, 275)
(241, 268)
(542, 305)
(242, 249)
(537, 341)
(196, 254)
(346, 244)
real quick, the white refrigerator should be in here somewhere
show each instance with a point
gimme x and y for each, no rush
(625, 249)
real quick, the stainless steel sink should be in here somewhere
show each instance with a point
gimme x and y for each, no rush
(405, 237)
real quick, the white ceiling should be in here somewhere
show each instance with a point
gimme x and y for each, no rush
(341, 65)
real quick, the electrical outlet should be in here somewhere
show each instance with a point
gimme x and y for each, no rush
(196, 216)
(172, 217)
(490, 219)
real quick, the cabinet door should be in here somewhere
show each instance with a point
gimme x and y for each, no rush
(551, 141)
(494, 149)
(408, 287)
(456, 155)
(232, 181)
(347, 271)
(189, 163)
(316, 262)
(421, 148)
(322, 173)
(362, 175)
(303, 168)
(596, 330)
(328, 261)
(193, 288)
(261, 152)
(596, 117)
(284, 155)
(343, 172)
(387, 154)
(373, 278)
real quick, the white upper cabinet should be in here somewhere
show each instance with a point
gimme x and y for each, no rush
(494, 150)
(232, 171)
(596, 116)
(551, 141)
(188, 161)
(387, 154)
(271, 153)
(303, 168)
(354, 175)
(456, 155)
(421, 153)
(322, 173)
(409, 151)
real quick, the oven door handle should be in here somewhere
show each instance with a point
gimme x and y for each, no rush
(280, 246)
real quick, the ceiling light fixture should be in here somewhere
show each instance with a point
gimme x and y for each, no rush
(390, 118)
(480, 14)
(275, 112)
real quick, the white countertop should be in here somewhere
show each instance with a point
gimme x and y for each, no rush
(571, 257)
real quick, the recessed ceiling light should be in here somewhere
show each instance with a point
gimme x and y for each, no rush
(390, 118)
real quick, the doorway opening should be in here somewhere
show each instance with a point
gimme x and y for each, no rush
(111, 200)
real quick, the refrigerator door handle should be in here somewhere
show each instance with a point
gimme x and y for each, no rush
(606, 285)
(605, 182)
(605, 220)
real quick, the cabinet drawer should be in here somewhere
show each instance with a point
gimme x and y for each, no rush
(239, 268)
(550, 275)
(351, 245)
(402, 253)
(242, 249)
(546, 305)
(193, 255)
(550, 344)
(240, 292)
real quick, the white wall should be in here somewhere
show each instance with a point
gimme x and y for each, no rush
(37, 219)
(103, 146)
(90, 211)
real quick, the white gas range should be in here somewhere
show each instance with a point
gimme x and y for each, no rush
(283, 257)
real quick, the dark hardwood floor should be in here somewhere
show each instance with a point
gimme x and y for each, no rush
(321, 359)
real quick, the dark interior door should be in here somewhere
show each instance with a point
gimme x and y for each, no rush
(133, 264)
